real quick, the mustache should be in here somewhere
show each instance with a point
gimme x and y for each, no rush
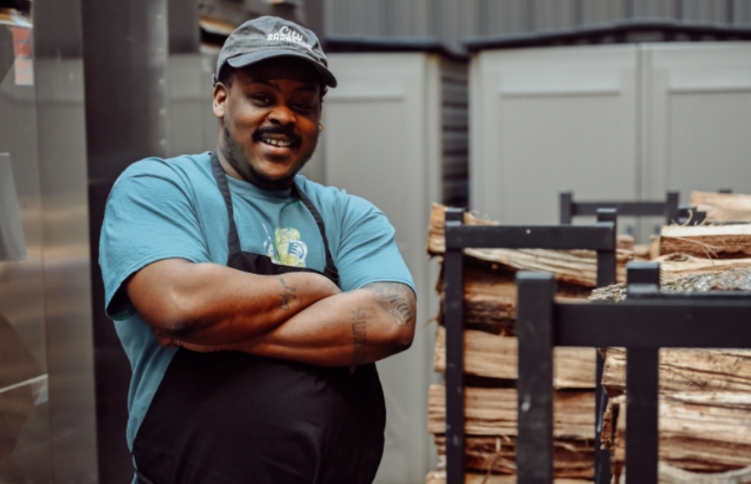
(286, 131)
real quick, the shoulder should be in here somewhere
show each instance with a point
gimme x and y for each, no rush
(159, 177)
(179, 168)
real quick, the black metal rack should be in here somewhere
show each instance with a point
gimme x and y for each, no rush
(645, 322)
(669, 208)
(601, 238)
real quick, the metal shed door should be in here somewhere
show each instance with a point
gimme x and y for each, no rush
(551, 118)
(381, 141)
(696, 130)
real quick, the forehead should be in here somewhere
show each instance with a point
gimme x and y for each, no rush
(281, 68)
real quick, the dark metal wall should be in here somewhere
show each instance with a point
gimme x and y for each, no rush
(125, 59)
(452, 20)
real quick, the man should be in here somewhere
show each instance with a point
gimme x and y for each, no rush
(253, 303)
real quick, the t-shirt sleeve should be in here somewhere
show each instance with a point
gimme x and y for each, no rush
(367, 252)
(149, 216)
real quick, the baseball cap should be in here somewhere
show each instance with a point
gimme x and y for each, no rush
(267, 37)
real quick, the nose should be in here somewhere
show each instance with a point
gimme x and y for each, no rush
(282, 115)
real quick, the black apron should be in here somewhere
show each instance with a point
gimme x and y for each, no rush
(230, 417)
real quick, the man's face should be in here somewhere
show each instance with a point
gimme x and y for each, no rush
(270, 120)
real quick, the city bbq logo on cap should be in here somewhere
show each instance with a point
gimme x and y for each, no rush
(286, 34)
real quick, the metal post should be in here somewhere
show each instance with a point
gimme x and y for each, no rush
(534, 329)
(606, 260)
(725, 190)
(453, 319)
(671, 207)
(606, 275)
(642, 388)
(566, 207)
(642, 382)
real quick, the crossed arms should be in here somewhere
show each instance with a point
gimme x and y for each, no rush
(298, 316)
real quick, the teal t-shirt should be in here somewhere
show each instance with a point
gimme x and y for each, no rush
(160, 209)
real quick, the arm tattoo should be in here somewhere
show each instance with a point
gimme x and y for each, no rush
(396, 299)
(287, 294)
(359, 334)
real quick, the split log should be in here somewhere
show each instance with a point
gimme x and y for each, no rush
(572, 458)
(490, 298)
(654, 246)
(686, 370)
(708, 241)
(672, 475)
(675, 266)
(439, 477)
(492, 412)
(625, 242)
(699, 432)
(496, 357)
(489, 301)
(733, 279)
(642, 252)
(723, 207)
(436, 236)
(574, 266)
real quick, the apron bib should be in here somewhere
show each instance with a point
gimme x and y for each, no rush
(234, 418)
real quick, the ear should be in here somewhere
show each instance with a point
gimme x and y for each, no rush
(221, 92)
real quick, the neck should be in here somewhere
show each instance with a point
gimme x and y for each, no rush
(250, 175)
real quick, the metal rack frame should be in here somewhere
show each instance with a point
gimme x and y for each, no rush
(647, 321)
(670, 209)
(601, 238)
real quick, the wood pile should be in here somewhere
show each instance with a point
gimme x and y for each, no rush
(705, 398)
(705, 406)
(578, 267)
(490, 353)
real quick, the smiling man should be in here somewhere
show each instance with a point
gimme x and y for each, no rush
(251, 302)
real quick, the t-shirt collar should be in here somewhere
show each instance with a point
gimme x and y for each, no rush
(247, 188)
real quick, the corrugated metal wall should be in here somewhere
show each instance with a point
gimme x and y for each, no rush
(454, 133)
(452, 20)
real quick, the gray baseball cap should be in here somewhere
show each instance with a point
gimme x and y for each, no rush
(266, 37)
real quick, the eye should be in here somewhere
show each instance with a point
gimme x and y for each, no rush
(302, 107)
(262, 99)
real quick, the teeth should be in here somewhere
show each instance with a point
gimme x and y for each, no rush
(277, 142)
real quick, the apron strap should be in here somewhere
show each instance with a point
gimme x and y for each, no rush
(330, 270)
(233, 239)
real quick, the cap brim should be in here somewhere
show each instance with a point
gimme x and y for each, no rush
(244, 60)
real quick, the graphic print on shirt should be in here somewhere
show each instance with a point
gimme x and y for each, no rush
(286, 249)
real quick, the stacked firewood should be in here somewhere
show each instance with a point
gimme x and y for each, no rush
(705, 400)
(490, 360)
(705, 408)
(705, 395)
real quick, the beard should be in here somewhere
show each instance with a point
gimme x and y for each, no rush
(239, 161)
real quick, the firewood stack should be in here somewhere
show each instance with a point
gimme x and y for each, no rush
(705, 395)
(490, 360)
(705, 407)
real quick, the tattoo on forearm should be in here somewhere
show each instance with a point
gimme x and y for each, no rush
(397, 300)
(360, 334)
(287, 294)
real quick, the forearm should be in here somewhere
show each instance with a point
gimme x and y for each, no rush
(348, 329)
(211, 304)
